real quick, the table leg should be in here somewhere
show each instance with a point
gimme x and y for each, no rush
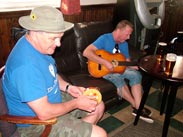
(165, 94)
(171, 101)
(144, 97)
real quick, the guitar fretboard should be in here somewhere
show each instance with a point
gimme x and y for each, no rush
(127, 63)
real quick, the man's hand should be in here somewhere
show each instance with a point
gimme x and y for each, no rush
(76, 91)
(109, 66)
(87, 103)
(134, 67)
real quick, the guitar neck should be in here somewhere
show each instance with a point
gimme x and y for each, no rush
(127, 63)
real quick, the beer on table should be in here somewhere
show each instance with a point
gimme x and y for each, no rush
(170, 63)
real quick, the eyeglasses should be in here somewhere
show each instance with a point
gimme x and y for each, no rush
(117, 48)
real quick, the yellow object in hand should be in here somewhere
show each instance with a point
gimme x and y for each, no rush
(93, 92)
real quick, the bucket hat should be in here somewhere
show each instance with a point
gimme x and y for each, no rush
(45, 18)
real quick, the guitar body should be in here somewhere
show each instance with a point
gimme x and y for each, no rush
(98, 70)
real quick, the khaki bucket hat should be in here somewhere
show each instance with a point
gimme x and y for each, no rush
(45, 18)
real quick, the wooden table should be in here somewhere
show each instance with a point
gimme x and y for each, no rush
(155, 69)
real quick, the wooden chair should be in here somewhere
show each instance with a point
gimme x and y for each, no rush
(8, 122)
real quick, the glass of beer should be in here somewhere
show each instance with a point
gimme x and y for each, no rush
(170, 63)
(161, 50)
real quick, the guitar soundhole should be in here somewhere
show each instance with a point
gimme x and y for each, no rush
(99, 66)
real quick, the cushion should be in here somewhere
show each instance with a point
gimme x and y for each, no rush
(6, 129)
(107, 89)
(66, 55)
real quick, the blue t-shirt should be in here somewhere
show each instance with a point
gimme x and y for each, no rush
(29, 75)
(106, 42)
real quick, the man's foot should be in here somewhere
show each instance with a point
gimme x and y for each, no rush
(143, 116)
(145, 110)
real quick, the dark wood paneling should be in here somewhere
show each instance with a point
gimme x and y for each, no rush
(7, 21)
(173, 21)
(10, 19)
(92, 13)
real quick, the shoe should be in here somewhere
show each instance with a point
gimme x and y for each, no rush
(145, 110)
(143, 116)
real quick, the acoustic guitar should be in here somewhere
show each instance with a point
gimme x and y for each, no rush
(118, 60)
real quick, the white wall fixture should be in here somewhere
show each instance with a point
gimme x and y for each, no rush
(148, 20)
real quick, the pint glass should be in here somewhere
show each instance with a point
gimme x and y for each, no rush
(170, 63)
(161, 50)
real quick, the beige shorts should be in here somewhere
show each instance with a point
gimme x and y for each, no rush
(69, 125)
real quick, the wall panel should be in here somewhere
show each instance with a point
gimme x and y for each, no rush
(173, 20)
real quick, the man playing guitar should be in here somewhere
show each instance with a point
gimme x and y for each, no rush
(115, 43)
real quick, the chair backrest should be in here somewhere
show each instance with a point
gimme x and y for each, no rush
(6, 129)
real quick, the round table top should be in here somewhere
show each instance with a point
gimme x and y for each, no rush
(154, 67)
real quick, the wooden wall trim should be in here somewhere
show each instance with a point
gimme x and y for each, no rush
(92, 13)
(13, 14)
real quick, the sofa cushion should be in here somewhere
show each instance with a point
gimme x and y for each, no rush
(86, 33)
(66, 56)
(107, 89)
